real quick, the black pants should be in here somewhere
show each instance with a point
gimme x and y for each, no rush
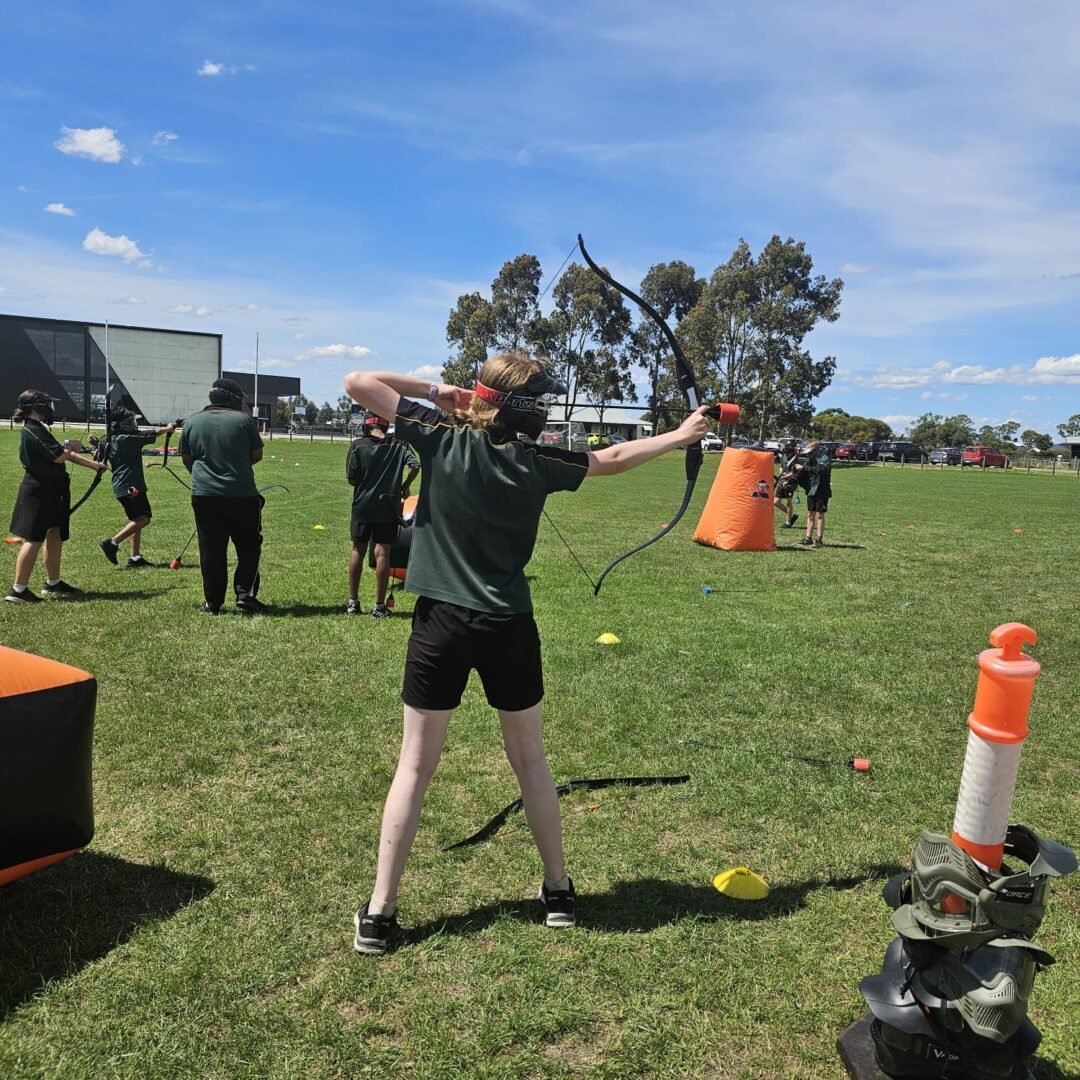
(218, 520)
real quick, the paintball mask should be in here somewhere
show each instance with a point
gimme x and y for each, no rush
(525, 408)
(40, 402)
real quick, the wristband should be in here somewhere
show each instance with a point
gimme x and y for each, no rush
(433, 391)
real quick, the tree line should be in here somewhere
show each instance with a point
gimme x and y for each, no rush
(743, 329)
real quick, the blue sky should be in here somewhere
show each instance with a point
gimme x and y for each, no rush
(332, 176)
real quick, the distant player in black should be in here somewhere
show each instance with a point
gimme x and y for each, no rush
(475, 527)
(129, 483)
(43, 504)
(374, 467)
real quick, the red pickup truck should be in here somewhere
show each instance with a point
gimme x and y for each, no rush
(983, 457)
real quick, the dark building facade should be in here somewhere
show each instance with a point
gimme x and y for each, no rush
(160, 374)
(271, 387)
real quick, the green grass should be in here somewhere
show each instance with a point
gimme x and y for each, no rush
(240, 767)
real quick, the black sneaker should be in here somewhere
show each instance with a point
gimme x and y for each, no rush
(249, 605)
(137, 562)
(373, 932)
(806, 540)
(61, 588)
(558, 905)
(209, 609)
(24, 597)
(380, 611)
(110, 548)
(818, 542)
(794, 518)
(353, 608)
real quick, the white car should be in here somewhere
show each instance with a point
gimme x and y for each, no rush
(712, 441)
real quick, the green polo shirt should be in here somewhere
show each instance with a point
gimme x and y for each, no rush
(479, 509)
(38, 451)
(125, 457)
(220, 442)
(375, 468)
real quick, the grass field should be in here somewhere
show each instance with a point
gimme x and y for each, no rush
(240, 768)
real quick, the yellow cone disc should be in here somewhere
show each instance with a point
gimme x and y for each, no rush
(607, 639)
(741, 884)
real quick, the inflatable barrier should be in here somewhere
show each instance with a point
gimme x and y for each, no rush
(46, 738)
(399, 549)
(738, 514)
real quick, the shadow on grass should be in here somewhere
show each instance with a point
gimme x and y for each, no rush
(59, 920)
(124, 594)
(645, 904)
(1047, 1070)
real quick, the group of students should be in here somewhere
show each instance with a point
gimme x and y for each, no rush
(219, 447)
(811, 470)
(473, 533)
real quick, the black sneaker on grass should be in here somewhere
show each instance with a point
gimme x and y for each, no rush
(380, 611)
(24, 597)
(794, 518)
(806, 540)
(61, 588)
(109, 547)
(558, 905)
(373, 932)
(209, 609)
(137, 562)
(353, 608)
(249, 605)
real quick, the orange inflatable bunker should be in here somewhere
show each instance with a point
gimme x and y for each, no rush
(46, 738)
(738, 514)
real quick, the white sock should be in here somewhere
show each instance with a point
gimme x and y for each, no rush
(562, 885)
(18, 588)
(389, 908)
(53, 581)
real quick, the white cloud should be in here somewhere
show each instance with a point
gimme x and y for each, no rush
(1029, 397)
(251, 307)
(101, 243)
(213, 67)
(427, 371)
(1053, 370)
(59, 208)
(899, 421)
(97, 144)
(199, 312)
(130, 300)
(301, 337)
(164, 137)
(336, 352)
(855, 268)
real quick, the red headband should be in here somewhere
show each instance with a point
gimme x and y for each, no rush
(492, 397)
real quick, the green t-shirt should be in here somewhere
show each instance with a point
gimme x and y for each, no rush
(38, 451)
(479, 509)
(125, 457)
(374, 468)
(220, 442)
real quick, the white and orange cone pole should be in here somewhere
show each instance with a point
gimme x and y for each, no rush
(999, 726)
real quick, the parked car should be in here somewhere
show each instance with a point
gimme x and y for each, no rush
(614, 439)
(867, 451)
(845, 452)
(901, 451)
(712, 441)
(946, 455)
(983, 457)
(740, 442)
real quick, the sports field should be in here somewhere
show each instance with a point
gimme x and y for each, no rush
(241, 764)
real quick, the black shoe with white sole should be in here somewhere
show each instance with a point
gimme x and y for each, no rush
(558, 905)
(24, 597)
(373, 932)
(61, 588)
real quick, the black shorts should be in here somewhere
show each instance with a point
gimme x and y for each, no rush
(135, 506)
(448, 641)
(381, 533)
(39, 508)
(817, 504)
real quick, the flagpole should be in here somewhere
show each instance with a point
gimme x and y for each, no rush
(257, 417)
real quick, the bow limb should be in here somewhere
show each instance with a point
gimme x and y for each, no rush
(687, 384)
(101, 452)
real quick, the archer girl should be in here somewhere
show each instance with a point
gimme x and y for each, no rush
(474, 532)
(43, 504)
